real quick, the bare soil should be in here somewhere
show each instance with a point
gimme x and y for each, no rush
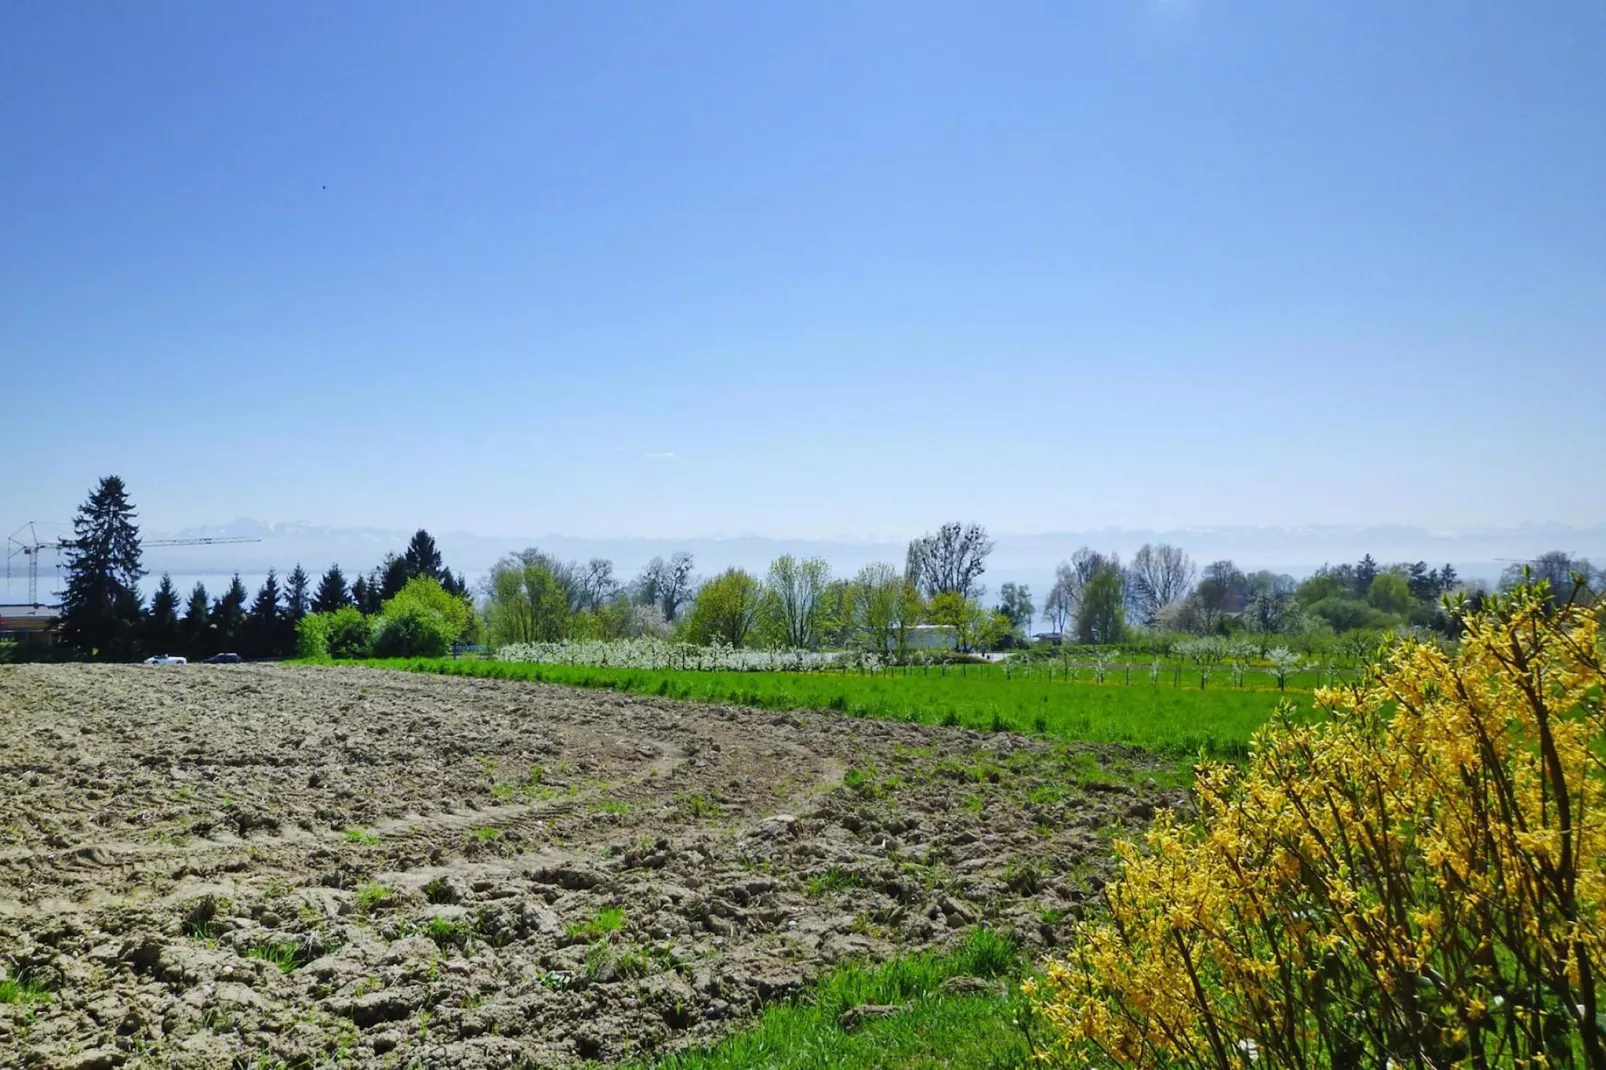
(271, 865)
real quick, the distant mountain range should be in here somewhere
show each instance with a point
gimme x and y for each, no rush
(1297, 550)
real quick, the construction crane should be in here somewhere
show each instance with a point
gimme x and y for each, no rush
(29, 546)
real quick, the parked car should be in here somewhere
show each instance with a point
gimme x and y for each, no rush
(166, 659)
(223, 659)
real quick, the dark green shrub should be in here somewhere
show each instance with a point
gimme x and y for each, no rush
(312, 635)
(412, 631)
(350, 633)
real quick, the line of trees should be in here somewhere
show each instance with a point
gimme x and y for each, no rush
(412, 604)
(798, 603)
(1097, 599)
(105, 618)
(405, 587)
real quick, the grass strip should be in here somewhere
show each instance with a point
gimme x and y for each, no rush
(1178, 722)
(930, 1025)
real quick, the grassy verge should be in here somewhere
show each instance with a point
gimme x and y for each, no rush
(972, 1025)
(1168, 720)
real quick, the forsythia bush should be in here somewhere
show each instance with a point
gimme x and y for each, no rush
(1417, 881)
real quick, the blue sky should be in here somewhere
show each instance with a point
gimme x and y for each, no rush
(805, 269)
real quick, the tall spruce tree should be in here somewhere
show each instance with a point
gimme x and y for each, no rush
(453, 584)
(100, 611)
(229, 617)
(391, 577)
(161, 623)
(421, 557)
(1365, 573)
(265, 621)
(196, 623)
(362, 595)
(296, 598)
(332, 593)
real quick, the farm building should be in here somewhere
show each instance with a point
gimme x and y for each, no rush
(932, 637)
(24, 624)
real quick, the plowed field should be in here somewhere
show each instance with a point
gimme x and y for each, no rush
(270, 865)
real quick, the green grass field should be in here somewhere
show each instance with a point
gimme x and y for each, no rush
(932, 1027)
(1170, 720)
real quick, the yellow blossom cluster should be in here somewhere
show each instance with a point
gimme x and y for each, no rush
(1416, 878)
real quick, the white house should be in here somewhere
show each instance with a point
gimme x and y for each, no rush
(931, 637)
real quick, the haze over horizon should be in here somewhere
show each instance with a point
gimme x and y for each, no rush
(1023, 558)
(805, 271)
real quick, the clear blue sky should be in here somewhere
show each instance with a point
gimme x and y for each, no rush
(805, 269)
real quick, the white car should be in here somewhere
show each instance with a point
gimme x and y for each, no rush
(166, 659)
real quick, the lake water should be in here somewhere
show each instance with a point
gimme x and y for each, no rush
(15, 590)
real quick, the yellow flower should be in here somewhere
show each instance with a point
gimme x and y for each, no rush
(1353, 851)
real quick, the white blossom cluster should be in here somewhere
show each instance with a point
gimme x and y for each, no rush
(652, 653)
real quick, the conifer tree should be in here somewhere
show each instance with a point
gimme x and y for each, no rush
(391, 577)
(296, 598)
(1365, 573)
(362, 595)
(161, 624)
(196, 623)
(229, 616)
(265, 619)
(332, 593)
(454, 584)
(422, 558)
(100, 610)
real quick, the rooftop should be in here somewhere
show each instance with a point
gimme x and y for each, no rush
(25, 610)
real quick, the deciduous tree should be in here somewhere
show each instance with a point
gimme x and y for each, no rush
(1559, 569)
(950, 560)
(1270, 611)
(839, 617)
(877, 599)
(1015, 602)
(667, 584)
(727, 609)
(794, 590)
(597, 584)
(524, 601)
(1221, 591)
(1059, 606)
(1158, 576)
(423, 620)
(950, 609)
(1101, 617)
(996, 631)
(1389, 593)
(1064, 603)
